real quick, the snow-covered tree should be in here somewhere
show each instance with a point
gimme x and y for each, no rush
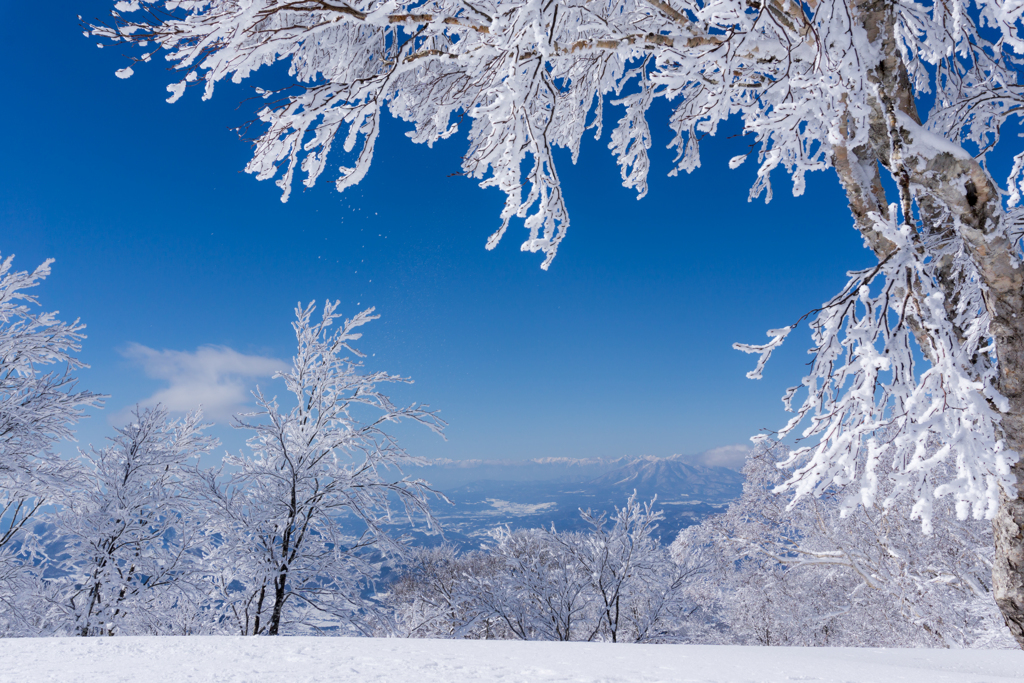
(281, 554)
(433, 596)
(916, 90)
(635, 582)
(538, 591)
(131, 539)
(37, 411)
(811, 575)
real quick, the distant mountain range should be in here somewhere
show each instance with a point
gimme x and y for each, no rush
(534, 493)
(445, 472)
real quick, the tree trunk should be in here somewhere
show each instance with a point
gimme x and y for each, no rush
(279, 597)
(259, 612)
(962, 187)
(953, 194)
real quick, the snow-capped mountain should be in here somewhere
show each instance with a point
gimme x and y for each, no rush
(670, 478)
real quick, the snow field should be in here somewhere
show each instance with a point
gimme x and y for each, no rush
(223, 659)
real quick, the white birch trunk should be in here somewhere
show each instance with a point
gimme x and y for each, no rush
(952, 193)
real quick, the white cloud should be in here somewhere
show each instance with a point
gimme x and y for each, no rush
(216, 377)
(731, 457)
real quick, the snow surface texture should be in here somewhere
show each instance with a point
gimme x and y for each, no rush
(198, 659)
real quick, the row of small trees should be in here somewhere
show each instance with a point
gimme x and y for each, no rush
(612, 583)
(139, 538)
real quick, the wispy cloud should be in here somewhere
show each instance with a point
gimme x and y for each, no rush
(732, 457)
(216, 377)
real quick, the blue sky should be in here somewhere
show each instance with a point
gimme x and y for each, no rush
(186, 269)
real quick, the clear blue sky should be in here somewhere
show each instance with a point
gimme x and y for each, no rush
(622, 347)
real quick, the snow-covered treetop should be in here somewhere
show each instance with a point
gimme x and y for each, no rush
(36, 409)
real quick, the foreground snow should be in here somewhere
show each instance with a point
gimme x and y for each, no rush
(300, 660)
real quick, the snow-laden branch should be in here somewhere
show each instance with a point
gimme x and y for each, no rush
(863, 382)
(533, 76)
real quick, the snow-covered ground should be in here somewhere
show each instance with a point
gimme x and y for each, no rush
(367, 660)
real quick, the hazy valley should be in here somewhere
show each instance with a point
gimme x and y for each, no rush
(538, 493)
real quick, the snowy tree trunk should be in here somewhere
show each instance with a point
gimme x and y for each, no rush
(961, 187)
(952, 192)
(280, 595)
